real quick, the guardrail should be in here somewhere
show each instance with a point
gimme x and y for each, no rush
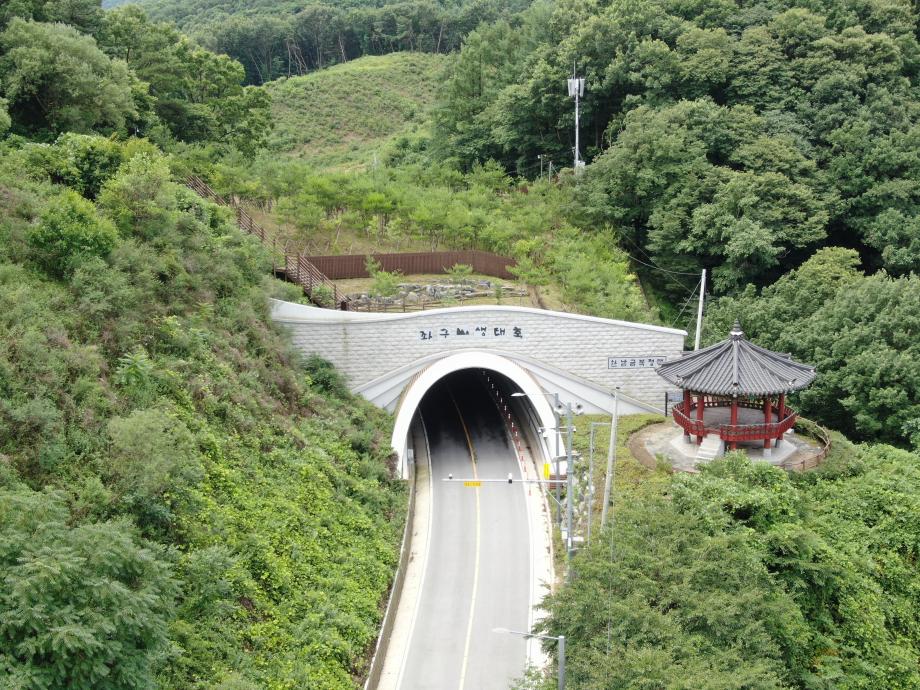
(296, 267)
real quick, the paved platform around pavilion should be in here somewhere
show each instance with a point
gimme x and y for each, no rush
(667, 440)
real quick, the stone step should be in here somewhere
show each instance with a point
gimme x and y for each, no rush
(710, 448)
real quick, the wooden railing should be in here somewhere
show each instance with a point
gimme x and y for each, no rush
(806, 427)
(734, 432)
(295, 267)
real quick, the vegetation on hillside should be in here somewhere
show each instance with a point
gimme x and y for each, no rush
(738, 138)
(69, 67)
(421, 205)
(747, 577)
(183, 501)
(276, 38)
(345, 115)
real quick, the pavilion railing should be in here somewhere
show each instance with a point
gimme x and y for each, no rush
(734, 433)
(757, 432)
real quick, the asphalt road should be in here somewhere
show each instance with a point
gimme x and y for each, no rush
(478, 568)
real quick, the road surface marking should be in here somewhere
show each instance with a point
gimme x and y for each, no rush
(469, 627)
(421, 589)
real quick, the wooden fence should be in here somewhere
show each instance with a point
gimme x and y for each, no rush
(806, 427)
(415, 263)
(294, 267)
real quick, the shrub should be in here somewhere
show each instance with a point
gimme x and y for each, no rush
(153, 465)
(80, 607)
(84, 162)
(69, 230)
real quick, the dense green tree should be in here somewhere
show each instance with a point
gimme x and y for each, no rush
(197, 94)
(738, 139)
(744, 577)
(85, 15)
(81, 606)
(858, 332)
(69, 232)
(57, 79)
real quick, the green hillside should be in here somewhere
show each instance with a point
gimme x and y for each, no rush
(342, 115)
(277, 38)
(184, 502)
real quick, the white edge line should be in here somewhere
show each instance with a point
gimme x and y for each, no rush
(421, 589)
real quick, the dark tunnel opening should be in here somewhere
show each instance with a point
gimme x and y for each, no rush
(472, 412)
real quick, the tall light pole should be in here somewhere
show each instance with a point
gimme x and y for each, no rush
(576, 91)
(699, 313)
(560, 639)
(611, 453)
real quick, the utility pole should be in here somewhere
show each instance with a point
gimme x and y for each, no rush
(699, 312)
(576, 91)
(556, 407)
(569, 494)
(608, 480)
(589, 499)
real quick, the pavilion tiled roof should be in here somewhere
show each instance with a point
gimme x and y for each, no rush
(737, 366)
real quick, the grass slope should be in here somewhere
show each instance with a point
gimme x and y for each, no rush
(340, 116)
(241, 499)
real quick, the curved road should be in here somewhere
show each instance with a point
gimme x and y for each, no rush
(478, 568)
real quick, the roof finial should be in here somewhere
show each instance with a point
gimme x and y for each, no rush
(736, 331)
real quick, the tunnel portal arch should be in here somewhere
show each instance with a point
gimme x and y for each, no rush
(474, 359)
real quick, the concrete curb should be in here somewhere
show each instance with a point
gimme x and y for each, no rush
(389, 617)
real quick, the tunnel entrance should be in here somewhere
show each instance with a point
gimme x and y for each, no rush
(469, 414)
(469, 381)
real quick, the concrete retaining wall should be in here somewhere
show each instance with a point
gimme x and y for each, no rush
(367, 348)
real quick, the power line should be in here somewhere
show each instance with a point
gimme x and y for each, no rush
(663, 270)
(686, 302)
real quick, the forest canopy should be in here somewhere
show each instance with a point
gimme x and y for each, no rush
(737, 138)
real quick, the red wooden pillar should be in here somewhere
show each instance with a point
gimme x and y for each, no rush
(688, 403)
(782, 414)
(767, 418)
(700, 404)
(734, 418)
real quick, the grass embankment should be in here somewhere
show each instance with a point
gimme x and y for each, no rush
(184, 502)
(748, 576)
(339, 118)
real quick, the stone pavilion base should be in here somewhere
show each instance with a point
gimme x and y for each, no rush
(668, 440)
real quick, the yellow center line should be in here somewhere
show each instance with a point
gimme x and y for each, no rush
(469, 627)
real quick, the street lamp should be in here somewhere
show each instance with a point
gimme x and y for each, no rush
(569, 501)
(560, 639)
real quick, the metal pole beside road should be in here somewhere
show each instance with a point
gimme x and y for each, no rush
(611, 454)
(569, 494)
(560, 640)
(562, 662)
